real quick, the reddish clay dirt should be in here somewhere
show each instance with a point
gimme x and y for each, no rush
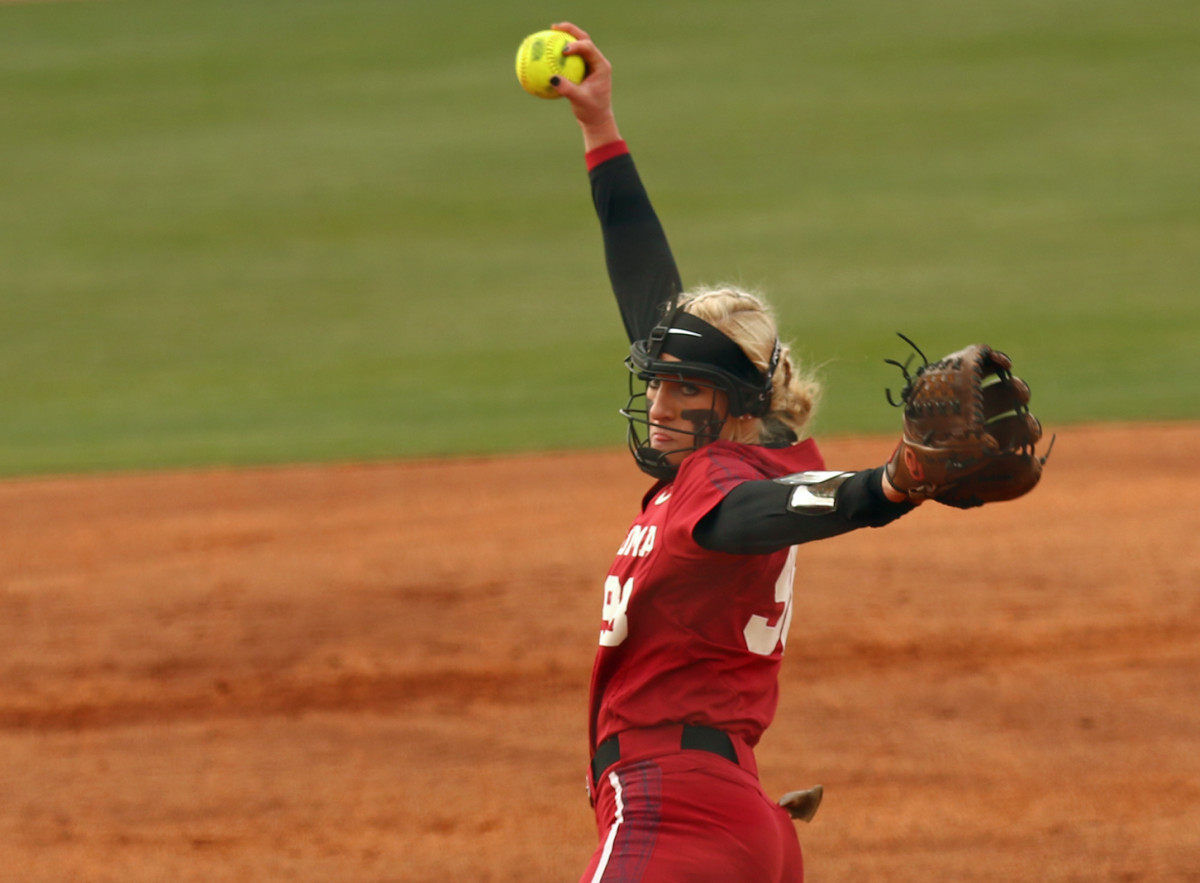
(378, 673)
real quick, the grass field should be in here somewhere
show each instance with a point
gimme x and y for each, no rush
(265, 231)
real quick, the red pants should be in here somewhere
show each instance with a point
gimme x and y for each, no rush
(666, 815)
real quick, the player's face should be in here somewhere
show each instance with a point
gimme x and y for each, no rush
(683, 415)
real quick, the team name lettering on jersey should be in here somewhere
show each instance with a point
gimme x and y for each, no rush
(639, 542)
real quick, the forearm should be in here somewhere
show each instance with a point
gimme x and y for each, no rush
(755, 517)
(641, 268)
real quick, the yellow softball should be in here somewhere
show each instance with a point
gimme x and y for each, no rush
(541, 57)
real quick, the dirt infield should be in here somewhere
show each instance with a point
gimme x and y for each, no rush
(378, 673)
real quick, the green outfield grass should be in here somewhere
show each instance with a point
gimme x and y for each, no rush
(276, 230)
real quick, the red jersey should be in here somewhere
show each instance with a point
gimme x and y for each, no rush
(689, 635)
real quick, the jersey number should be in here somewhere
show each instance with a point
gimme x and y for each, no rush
(761, 636)
(615, 624)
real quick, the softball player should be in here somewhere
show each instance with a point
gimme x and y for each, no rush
(697, 604)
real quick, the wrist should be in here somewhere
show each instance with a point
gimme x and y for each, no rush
(599, 133)
(889, 490)
(605, 152)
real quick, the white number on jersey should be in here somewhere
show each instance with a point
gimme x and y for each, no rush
(615, 625)
(761, 636)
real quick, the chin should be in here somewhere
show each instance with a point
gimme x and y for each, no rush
(675, 456)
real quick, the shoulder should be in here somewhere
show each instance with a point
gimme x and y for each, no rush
(706, 476)
(727, 464)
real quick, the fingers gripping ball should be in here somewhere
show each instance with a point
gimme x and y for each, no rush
(540, 57)
(968, 434)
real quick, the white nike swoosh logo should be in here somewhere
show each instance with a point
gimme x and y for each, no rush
(684, 331)
(662, 498)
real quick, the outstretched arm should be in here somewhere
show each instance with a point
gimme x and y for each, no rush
(759, 517)
(641, 267)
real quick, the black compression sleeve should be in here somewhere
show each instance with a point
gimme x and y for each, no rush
(754, 519)
(640, 265)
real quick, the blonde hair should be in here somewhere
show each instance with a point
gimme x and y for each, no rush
(748, 321)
